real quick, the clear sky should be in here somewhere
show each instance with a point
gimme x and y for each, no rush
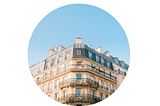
(62, 26)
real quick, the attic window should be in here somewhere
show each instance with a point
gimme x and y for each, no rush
(78, 52)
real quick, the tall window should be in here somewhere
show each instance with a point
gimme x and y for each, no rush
(64, 94)
(102, 60)
(66, 67)
(59, 59)
(111, 87)
(78, 92)
(38, 79)
(57, 83)
(78, 52)
(93, 94)
(65, 80)
(32, 72)
(101, 96)
(100, 82)
(97, 58)
(78, 77)
(50, 86)
(90, 55)
(67, 55)
(56, 96)
(92, 80)
(51, 73)
(44, 88)
(108, 63)
(53, 60)
(45, 75)
(39, 69)
(58, 70)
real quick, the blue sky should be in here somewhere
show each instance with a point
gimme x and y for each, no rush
(95, 26)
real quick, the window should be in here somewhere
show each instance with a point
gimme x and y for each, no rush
(97, 58)
(67, 55)
(56, 96)
(105, 84)
(53, 60)
(78, 64)
(57, 83)
(51, 73)
(92, 81)
(78, 105)
(39, 69)
(37, 79)
(64, 94)
(78, 92)
(108, 63)
(93, 94)
(101, 96)
(48, 64)
(100, 82)
(78, 52)
(45, 75)
(90, 55)
(50, 86)
(66, 67)
(65, 80)
(102, 60)
(111, 87)
(59, 59)
(44, 88)
(106, 96)
(32, 72)
(78, 77)
(58, 70)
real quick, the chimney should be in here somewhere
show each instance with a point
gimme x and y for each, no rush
(60, 48)
(50, 52)
(78, 40)
(98, 49)
(56, 49)
(90, 46)
(106, 54)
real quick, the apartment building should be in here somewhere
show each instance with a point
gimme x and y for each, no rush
(79, 75)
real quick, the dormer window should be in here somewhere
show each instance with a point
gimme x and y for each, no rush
(90, 55)
(97, 58)
(78, 52)
(108, 64)
(59, 59)
(102, 60)
(67, 55)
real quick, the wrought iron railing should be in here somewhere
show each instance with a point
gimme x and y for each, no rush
(78, 98)
(82, 66)
(79, 81)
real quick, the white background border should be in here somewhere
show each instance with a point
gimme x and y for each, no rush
(140, 20)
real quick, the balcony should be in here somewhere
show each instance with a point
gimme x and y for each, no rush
(79, 82)
(78, 67)
(121, 72)
(73, 98)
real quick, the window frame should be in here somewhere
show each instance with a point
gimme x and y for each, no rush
(79, 53)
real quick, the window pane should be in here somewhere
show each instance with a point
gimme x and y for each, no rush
(78, 52)
(78, 64)
(78, 91)
(78, 77)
